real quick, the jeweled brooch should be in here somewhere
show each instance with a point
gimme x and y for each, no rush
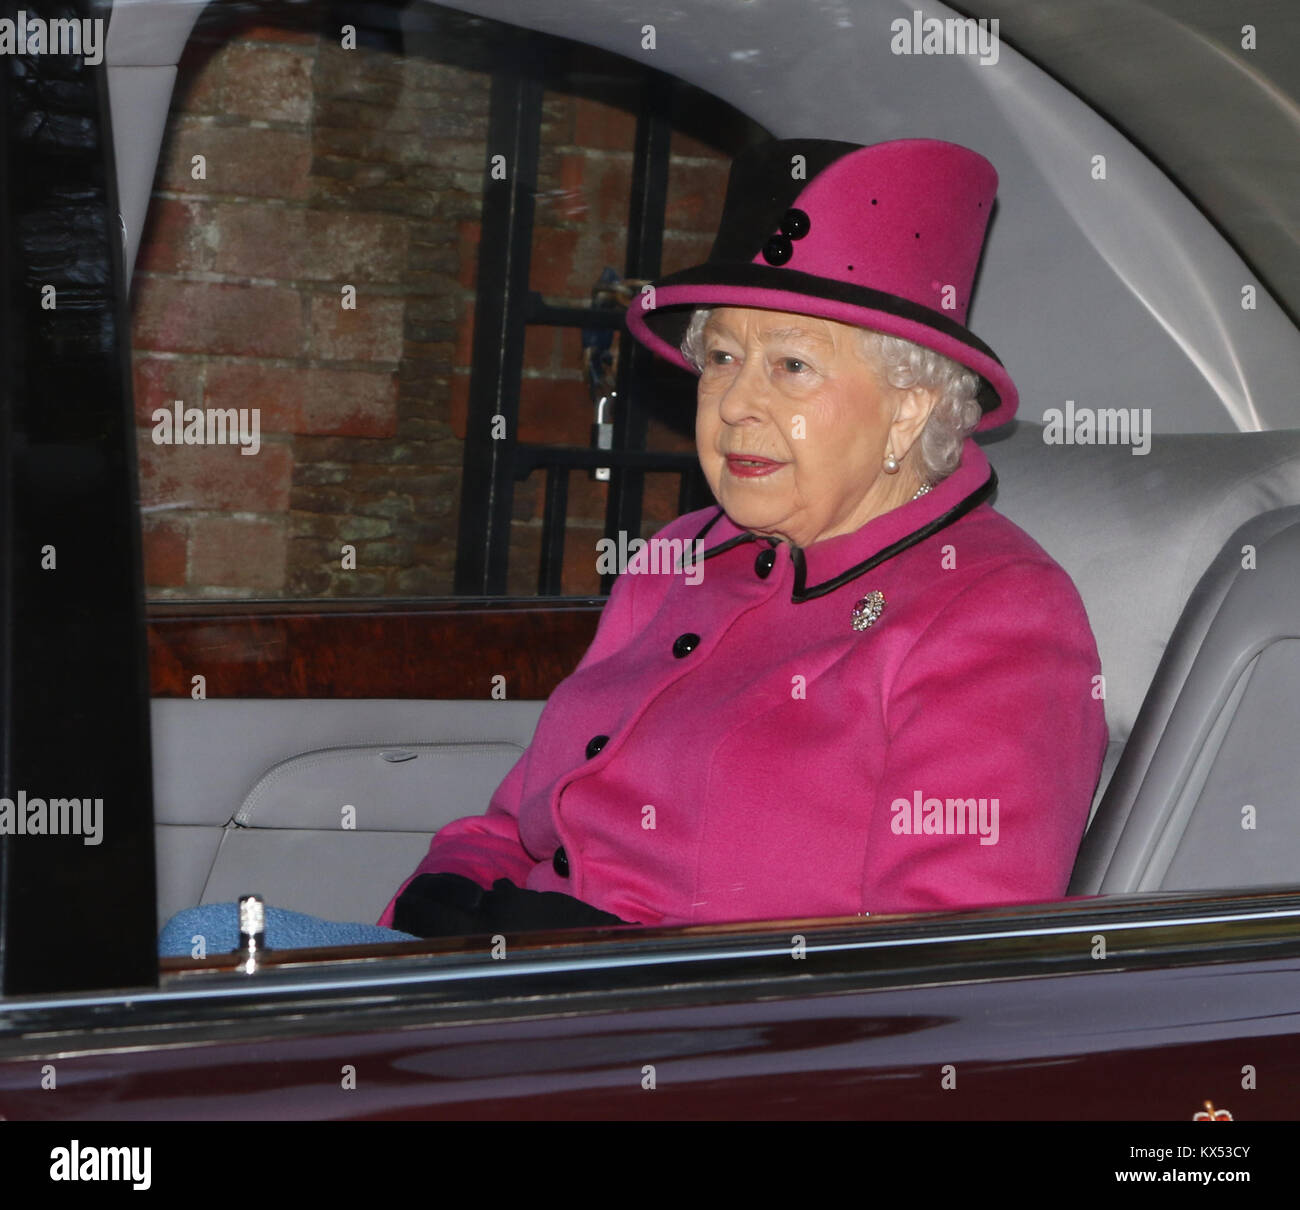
(868, 610)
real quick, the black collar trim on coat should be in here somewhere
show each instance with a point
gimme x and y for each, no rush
(802, 593)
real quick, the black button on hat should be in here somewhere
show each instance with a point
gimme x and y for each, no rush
(560, 862)
(777, 250)
(764, 563)
(796, 224)
(684, 644)
(595, 744)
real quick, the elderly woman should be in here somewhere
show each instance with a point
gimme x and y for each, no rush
(880, 695)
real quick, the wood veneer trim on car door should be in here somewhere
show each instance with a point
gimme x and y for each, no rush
(379, 649)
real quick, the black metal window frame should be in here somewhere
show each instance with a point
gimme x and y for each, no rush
(505, 307)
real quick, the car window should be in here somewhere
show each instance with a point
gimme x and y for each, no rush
(331, 267)
(323, 231)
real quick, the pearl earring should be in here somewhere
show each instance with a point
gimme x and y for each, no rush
(891, 464)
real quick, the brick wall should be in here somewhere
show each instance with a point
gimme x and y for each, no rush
(328, 167)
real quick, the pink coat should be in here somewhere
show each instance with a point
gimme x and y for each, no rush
(779, 763)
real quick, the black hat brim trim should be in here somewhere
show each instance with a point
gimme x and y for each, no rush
(670, 321)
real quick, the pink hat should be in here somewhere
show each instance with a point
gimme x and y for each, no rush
(885, 237)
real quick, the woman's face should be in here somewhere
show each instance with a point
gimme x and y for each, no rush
(796, 393)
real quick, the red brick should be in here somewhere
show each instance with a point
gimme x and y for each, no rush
(468, 235)
(362, 73)
(373, 332)
(659, 503)
(213, 317)
(172, 237)
(274, 33)
(464, 353)
(293, 243)
(230, 553)
(539, 348)
(695, 196)
(579, 577)
(215, 476)
(354, 247)
(343, 403)
(554, 411)
(160, 381)
(568, 201)
(458, 405)
(525, 550)
(572, 171)
(684, 145)
(587, 500)
(349, 403)
(660, 437)
(609, 248)
(603, 127)
(613, 191)
(276, 391)
(199, 79)
(249, 162)
(411, 152)
(267, 84)
(553, 256)
(259, 240)
(166, 545)
(557, 119)
(525, 501)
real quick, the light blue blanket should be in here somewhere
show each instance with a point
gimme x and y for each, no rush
(217, 925)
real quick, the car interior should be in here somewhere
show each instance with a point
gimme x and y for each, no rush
(1197, 637)
(1186, 553)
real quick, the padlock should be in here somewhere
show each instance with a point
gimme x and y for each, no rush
(602, 433)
